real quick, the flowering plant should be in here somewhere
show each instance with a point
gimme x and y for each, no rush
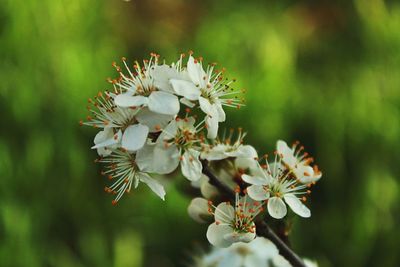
(160, 116)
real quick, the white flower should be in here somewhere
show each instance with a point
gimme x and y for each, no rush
(279, 261)
(261, 252)
(258, 253)
(234, 224)
(298, 163)
(277, 186)
(170, 78)
(121, 167)
(123, 127)
(177, 144)
(157, 159)
(225, 149)
(140, 90)
(209, 89)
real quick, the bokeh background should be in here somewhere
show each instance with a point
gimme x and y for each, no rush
(322, 72)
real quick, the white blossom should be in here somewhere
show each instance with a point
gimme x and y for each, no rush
(260, 252)
(257, 253)
(171, 77)
(277, 186)
(225, 148)
(209, 89)
(177, 143)
(234, 223)
(298, 163)
(122, 127)
(121, 168)
(139, 89)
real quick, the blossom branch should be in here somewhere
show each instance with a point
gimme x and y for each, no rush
(263, 228)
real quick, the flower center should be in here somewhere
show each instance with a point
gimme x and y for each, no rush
(206, 93)
(145, 90)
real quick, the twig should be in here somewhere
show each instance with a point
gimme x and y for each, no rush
(213, 180)
(264, 230)
(262, 227)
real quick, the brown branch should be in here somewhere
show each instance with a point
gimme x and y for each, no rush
(262, 227)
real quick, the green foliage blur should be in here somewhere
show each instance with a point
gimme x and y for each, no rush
(322, 72)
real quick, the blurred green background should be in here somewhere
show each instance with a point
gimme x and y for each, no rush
(323, 72)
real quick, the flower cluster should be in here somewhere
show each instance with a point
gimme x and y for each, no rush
(145, 121)
(160, 116)
(288, 179)
(269, 185)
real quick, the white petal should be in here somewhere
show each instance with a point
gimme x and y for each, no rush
(280, 261)
(310, 263)
(255, 180)
(187, 123)
(212, 127)
(220, 112)
(296, 205)
(254, 261)
(206, 107)
(276, 208)
(234, 237)
(224, 213)
(186, 102)
(104, 151)
(276, 168)
(286, 152)
(152, 158)
(155, 186)
(106, 138)
(208, 191)
(257, 192)
(198, 209)
(131, 89)
(127, 100)
(317, 176)
(215, 153)
(162, 74)
(230, 258)
(135, 137)
(163, 103)
(169, 132)
(306, 174)
(195, 71)
(263, 248)
(186, 89)
(245, 151)
(191, 166)
(247, 163)
(216, 233)
(154, 121)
